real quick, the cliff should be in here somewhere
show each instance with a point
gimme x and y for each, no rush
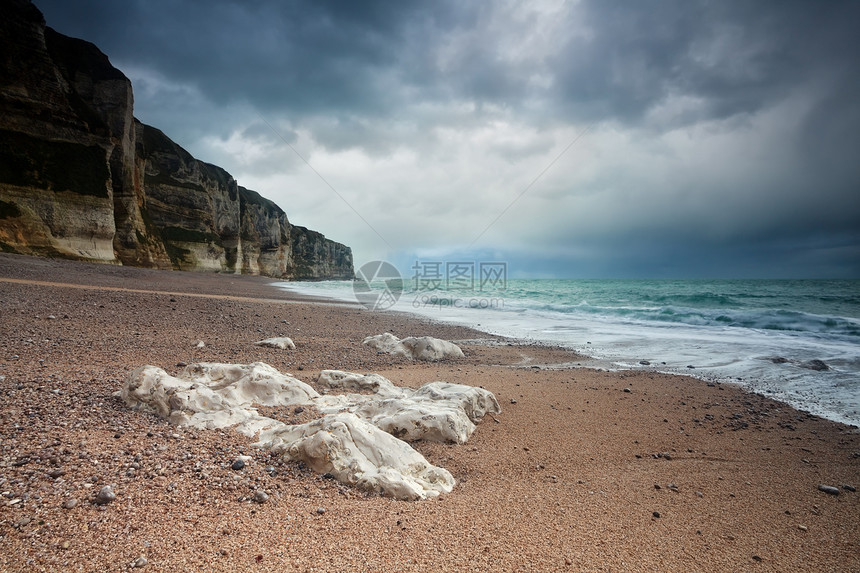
(81, 178)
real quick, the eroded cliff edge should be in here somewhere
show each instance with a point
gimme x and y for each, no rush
(81, 178)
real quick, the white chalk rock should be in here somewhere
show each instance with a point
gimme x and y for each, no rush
(416, 348)
(438, 411)
(387, 343)
(256, 383)
(211, 395)
(358, 453)
(281, 342)
(354, 441)
(432, 349)
(339, 380)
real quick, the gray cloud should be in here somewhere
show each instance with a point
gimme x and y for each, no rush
(723, 140)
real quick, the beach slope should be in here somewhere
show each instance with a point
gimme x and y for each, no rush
(582, 470)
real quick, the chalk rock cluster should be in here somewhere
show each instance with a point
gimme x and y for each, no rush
(360, 437)
(415, 348)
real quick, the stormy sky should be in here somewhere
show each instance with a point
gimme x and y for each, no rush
(569, 139)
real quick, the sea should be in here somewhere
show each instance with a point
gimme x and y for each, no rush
(797, 341)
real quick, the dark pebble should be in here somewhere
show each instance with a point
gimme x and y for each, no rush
(105, 495)
(828, 489)
(817, 365)
(656, 514)
(644, 363)
(847, 487)
(238, 465)
(298, 410)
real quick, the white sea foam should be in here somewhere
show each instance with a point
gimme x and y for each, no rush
(759, 335)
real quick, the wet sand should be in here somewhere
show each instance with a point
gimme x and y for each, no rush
(582, 471)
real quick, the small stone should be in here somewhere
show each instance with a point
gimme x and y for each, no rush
(298, 410)
(23, 522)
(320, 510)
(513, 401)
(847, 487)
(65, 544)
(260, 496)
(627, 390)
(756, 558)
(181, 364)
(105, 495)
(70, 503)
(817, 365)
(802, 528)
(56, 472)
(200, 344)
(656, 514)
(238, 465)
(139, 562)
(644, 363)
(829, 489)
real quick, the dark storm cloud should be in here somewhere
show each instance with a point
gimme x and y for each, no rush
(724, 138)
(304, 57)
(737, 57)
(374, 57)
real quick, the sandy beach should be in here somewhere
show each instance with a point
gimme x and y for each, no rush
(583, 470)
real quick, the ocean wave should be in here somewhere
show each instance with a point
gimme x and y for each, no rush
(767, 319)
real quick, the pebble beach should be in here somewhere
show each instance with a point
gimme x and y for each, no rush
(583, 470)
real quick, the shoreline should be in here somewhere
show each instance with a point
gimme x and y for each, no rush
(567, 479)
(770, 366)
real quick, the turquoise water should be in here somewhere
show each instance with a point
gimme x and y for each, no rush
(829, 308)
(763, 334)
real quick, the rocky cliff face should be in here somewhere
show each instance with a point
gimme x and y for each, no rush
(81, 178)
